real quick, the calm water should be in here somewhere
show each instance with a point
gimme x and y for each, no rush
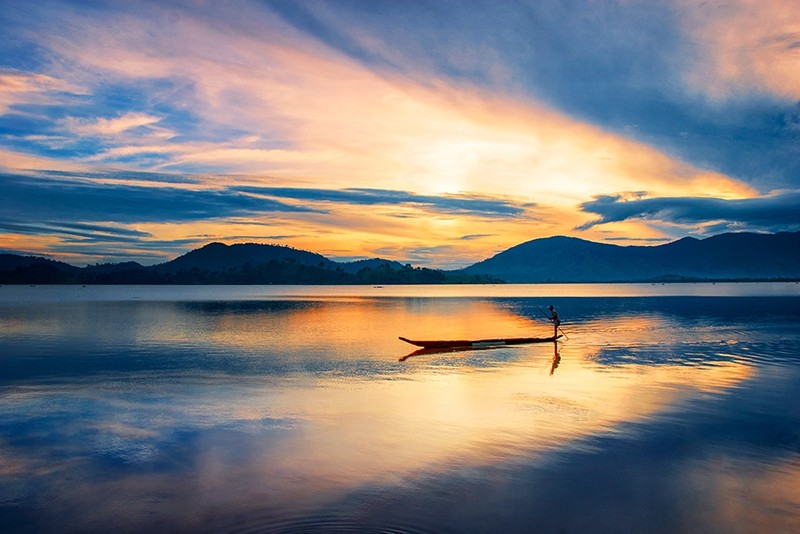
(287, 409)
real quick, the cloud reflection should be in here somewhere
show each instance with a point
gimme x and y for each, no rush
(277, 407)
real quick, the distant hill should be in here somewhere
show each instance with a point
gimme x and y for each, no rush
(15, 269)
(735, 256)
(374, 263)
(217, 263)
(732, 256)
(219, 257)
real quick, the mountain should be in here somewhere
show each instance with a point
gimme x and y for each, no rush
(736, 256)
(217, 263)
(219, 257)
(16, 269)
(374, 263)
(723, 257)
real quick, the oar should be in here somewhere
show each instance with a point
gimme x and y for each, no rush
(558, 327)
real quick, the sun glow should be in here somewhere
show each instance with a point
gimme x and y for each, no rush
(283, 109)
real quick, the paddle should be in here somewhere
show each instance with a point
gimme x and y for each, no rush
(566, 337)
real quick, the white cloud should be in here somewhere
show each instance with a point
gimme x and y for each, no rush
(108, 126)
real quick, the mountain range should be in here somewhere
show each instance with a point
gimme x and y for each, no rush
(218, 263)
(732, 256)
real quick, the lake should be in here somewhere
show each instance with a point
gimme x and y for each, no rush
(665, 408)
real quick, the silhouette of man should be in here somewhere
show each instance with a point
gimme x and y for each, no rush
(554, 319)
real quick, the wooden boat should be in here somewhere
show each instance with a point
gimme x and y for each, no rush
(478, 343)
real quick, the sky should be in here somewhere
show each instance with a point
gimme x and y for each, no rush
(433, 132)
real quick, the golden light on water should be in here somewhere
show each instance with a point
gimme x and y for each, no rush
(280, 402)
(444, 409)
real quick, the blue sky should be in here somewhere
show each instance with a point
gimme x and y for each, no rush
(437, 132)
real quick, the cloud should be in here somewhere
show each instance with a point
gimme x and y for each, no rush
(776, 212)
(383, 125)
(89, 232)
(113, 251)
(427, 255)
(456, 204)
(474, 236)
(18, 88)
(107, 196)
(108, 127)
(124, 176)
(747, 46)
(301, 102)
(89, 216)
(27, 198)
(638, 69)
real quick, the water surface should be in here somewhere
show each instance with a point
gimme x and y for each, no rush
(288, 409)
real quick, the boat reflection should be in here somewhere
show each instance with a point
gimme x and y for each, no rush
(445, 350)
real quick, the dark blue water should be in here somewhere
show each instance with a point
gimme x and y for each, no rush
(260, 412)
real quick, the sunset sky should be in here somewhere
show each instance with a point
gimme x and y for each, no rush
(437, 132)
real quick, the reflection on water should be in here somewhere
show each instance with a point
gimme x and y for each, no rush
(296, 415)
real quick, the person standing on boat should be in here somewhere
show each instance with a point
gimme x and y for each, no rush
(554, 319)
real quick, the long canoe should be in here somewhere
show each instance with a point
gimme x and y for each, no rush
(477, 343)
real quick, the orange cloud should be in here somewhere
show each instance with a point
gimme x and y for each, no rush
(18, 87)
(306, 115)
(744, 45)
(342, 124)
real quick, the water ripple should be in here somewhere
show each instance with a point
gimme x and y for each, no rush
(318, 523)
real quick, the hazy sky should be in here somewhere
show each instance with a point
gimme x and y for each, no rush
(431, 131)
